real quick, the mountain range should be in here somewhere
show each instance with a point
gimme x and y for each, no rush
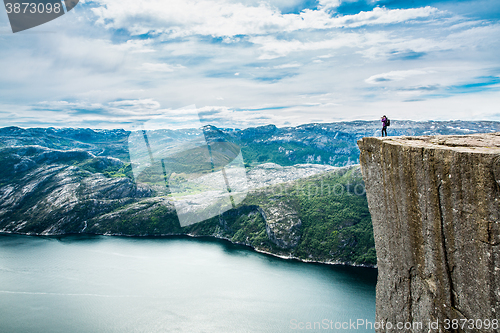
(305, 195)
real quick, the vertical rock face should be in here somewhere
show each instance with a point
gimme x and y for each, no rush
(435, 209)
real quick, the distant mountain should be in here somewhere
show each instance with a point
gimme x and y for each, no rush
(333, 143)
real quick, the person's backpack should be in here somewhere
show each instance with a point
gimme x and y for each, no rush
(387, 122)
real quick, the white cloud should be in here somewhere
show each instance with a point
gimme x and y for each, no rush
(223, 19)
(479, 36)
(385, 16)
(241, 55)
(289, 65)
(274, 48)
(329, 3)
(140, 104)
(395, 76)
(114, 111)
(137, 46)
(160, 67)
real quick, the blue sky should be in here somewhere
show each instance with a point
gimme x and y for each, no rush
(117, 64)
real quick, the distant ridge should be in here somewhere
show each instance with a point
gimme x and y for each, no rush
(319, 143)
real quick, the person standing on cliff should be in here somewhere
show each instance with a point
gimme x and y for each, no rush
(384, 125)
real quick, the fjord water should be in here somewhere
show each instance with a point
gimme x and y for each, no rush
(111, 284)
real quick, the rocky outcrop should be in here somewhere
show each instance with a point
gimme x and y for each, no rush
(282, 224)
(43, 192)
(435, 210)
(271, 174)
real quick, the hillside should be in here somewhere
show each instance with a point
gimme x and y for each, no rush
(307, 212)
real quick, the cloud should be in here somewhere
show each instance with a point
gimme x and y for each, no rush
(385, 16)
(479, 84)
(248, 62)
(406, 55)
(137, 46)
(395, 76)
(181, 18)
(329, 4)
(160, 67)
(289, 65)
(113, 111)
(422, 88)
(272, 47)
(140, 104)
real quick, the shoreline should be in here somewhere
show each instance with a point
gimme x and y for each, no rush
(209, 237)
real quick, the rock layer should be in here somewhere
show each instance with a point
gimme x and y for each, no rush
(434, 203)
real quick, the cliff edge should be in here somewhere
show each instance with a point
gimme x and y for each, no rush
(434, 203)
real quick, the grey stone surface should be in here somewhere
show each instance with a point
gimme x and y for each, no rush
(282, 224)
(434, 203)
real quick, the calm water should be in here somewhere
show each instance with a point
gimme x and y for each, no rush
(109, 284)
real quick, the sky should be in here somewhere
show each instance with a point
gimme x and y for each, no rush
(120, 64)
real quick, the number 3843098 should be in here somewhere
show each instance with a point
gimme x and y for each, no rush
(27, 7)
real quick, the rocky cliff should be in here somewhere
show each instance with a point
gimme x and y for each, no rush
(434, 203)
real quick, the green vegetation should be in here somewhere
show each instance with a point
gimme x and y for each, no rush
(287, 154)
(96, 165)
(146, 220)
(243, 225)
(336, 223)
(332, 207)
(329, 219)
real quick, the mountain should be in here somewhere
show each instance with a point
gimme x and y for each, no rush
(330, 143)
(310, 212)
(66, 181)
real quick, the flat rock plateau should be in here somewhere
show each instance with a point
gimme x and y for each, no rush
(434, 202)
